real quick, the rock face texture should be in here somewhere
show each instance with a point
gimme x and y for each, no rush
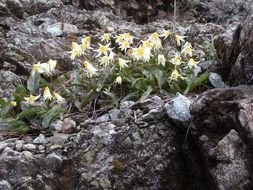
(191, 143)
(223, 131)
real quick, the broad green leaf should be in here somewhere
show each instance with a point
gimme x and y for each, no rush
(51, 115)
(197, 82)
(146, 94)
(4, 108)
(29, 113)
(20, 93)
(33, 83)
(87, 98)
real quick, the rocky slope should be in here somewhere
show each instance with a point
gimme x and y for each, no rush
(136, 146)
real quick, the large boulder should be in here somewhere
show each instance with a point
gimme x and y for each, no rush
(223, 131)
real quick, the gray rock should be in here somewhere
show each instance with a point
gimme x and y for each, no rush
(19, 145)
(41, 139)
(179, 108)
(59, 28)
(30, 147)
(7, 79)
(224, 116)
(4, 185)
(216, 80)
(68, 126)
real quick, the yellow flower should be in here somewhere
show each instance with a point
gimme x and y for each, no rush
(141, 53)
(161, 60)
(119, 39)
(37, 68)
(90, 69)
(192, 63)
(103, 49)
(166, 34)
(76, 50)
(176, 60)
(86, 43)
(138, 53)
(51, 66)
(146, 44)
(106, 37)
(31, 99)
(47, 94)
(179, 39)
(105, 60)
(58, 97)
(122, 63)
(124, 46)
(187, 49)
(175, 75)
(128, 37)
(13, 103)
(154, 37)
(118, 80)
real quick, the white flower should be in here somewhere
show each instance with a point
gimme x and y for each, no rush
(141, 53)
(58, 97)
(161, 60)
(128, 37)
(37, 68)
(47, 94)
(51, 66)
(166, 34)
(76, 50)
(106, 37)
(122, 63)
(187, 49)
(118, 80)
(192, 63)
(86, 42)
(103, 49)
(175, 75)
(179, 39)
(124, 46)
(31, 99)
(176, 60)
(105, 60)
(90, 69)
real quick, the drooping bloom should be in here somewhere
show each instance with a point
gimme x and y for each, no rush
(141, 53)
(122, 63)
(179, 39)
(124, 46)
(58, 97)
(51, 66)
(103, 49)
(161, 59)
(166, 34)
(119, 39)
(90, 69)
(13, 103)
(155, 41)
(76, 50)
(175, 75)
(146, 44)
(106, 37)
(31, 99)
(128, 37)
(86, 42)
(47, 94)
(37, 68)
(105, 60)
(176, 60)
(192, 63)
(118, 80)
(187, 49)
